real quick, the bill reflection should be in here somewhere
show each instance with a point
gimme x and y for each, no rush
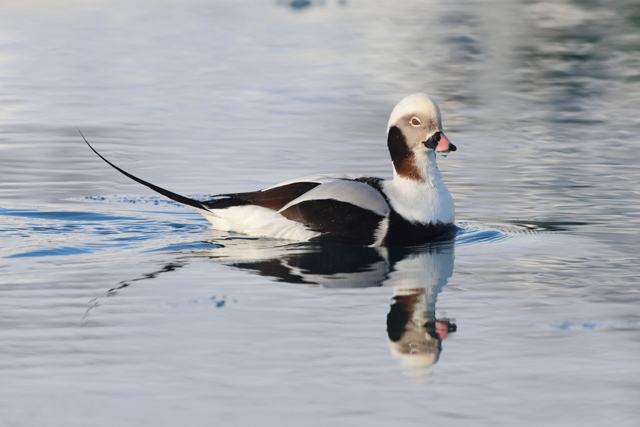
(415, 335)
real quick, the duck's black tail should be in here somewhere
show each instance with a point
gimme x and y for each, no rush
(173, 196)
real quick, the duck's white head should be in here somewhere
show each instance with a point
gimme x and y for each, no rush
(415, 132)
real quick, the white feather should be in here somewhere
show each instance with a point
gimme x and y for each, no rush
(356, 193)
(411, 104)
(381, 232)
(258, 221)
(427, 201)
(321, 179)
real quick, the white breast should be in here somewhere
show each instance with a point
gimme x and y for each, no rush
(425, 202)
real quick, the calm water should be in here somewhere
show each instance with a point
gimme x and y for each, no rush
(118, 307)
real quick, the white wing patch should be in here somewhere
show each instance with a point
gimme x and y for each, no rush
(356, 193)
(320, 179)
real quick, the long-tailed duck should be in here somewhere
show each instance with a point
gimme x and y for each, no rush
(413, 207)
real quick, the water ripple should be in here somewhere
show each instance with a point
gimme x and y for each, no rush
(597, 325)
(40, 233)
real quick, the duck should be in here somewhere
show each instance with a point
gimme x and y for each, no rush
(413, 207)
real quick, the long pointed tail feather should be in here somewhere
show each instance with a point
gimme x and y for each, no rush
(173, 196)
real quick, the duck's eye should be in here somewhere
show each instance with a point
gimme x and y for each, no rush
(415, 121)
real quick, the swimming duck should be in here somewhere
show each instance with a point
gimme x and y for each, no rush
(413, 207)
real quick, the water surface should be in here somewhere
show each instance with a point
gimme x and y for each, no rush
(121, 308)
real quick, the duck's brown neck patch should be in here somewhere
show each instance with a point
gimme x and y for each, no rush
(403, 159)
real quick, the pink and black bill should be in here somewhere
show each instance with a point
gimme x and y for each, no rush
(440, 143)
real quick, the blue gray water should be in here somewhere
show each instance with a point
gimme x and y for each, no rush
(118, 307)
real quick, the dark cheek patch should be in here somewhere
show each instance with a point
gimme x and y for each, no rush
(402, 157)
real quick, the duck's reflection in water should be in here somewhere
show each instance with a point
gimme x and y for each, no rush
(415, 334)
(417, 275)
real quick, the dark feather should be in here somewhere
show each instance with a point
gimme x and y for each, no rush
(337, 221)
(404, 232)
(173, 196)
(272, 198)
(402, 157)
